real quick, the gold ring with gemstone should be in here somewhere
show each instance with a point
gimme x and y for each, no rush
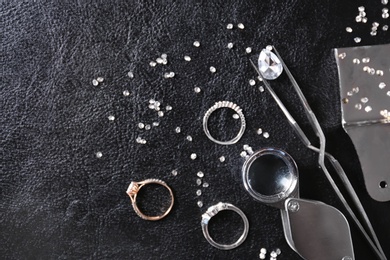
(133, 190)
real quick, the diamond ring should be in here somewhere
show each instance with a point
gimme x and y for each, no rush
(211, 212)
(133, 190)
(219, 105)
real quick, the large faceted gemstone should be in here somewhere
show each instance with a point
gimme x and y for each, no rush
(269, 65)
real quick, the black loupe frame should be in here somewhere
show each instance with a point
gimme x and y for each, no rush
(289, 191)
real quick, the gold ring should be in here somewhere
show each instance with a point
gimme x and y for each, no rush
(133, 190)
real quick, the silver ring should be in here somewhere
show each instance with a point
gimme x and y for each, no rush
(211, 212)
(222, 104)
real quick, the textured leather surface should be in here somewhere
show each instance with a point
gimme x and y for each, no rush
(58, 201)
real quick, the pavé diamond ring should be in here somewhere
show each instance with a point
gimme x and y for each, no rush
(230, 105)
(133, 190)
(211, 212)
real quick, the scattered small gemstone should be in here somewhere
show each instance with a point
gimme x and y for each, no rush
(262, 256)
(368, 109)
(259, 131)
(248, 50)
(240, 26)
(385, 27)
(366, 68)
(385, 15)
(364, 20)
(126, 93)
(196, 43)
(372, 71)
(355, 89)
(245, 147)
(159, 60)
(229, 26)
(193, 156)
(358, 19)
(200, 204)
(278, 251)
(187, 58)
(357, 39)
(366, 60)
(261, 89)
(364, 100)
(156, 123)
(222, 158)
(273, 254)
(111, 118)
(342, 55)
(388, 93)
(177, 130)
(252, 82)
(379, 72)
(174, 172)
(358, 106)
(168, 108)
(205, 185)
(200, 174)
(100, 79)
(243, 154)
(356, 61)
(160, 113)
(263, 250)
(348, 29)
(152, 64)
(141, 125)
(349, 93)
(361, 8)
(95, 82)
(236, 116)
(198, 181)
(130, 74)
(198, 192)
(382, 85)
(373, 33)
(266, 135)
(385, 2)
(148, 127)
(213, 69)
(189, 138)
(230, 45)
(99, 155)
(197, 90)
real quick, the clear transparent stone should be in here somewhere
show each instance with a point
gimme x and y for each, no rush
(95, 82)
(229, 26)
(382, 85)
(141, 125)
(177, 129)
(236, 116)
(248, 50)
(198, 182)
(366, 60)
(261, 89)
(198, 192)
(252, 82)
(130, 74)
(187, 58)
(240, 26)
(111, 118)
(356, 61)
(100, 79)
(230, 45)
(174, 172)
(193, 156)
(205, 185)
(222, 159)
(368, 109)
(152, 64)
(197, 89)
(269, 65)
(148, 127)
(358, 106)
(200, 174)
(126, 93)
(259, 131)
(385, 27)
(342, 55)
(189, 138)
(99, 155)
(168, 108)
(213, 69)
(200, 204)
(364, 100)
(357, 39)
(196, 43)
(348, 29)
(266, 135)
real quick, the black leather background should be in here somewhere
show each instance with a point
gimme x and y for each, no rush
(58, 201)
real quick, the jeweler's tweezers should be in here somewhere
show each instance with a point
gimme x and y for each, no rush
(321, 159)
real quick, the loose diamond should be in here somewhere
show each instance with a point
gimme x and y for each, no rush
(187, 58)
(198, 181)
(200, 174)
(259, 131)
(266, 135)
(100, 79)
(168, 108)
(197, 90)
(243, 154)
(198, 192)
(196, 43)
(126, 93)
(355, 89)
(189, 138)
(229, 26)
(177, 130)
(368, 109)
(379, 72)
(152, 64)
(357, 39)
(382, 85)
(200, 204)
(342, 55)
(269, 65)
(358, 106)
(159, 60)
(95, 82)
(261, 89)
(213, 69)
(240, 26)
(222, 158)
(385, 27)
(356, 61)
(348, 29)
(111, 118)
(156, 123)
(99, 155)
(230, 45)
(252, 82)
(174, 172)
(366, 60)
(141, 125)
(193, 156)
(205, 185)
(388, 93)
(236, 116)
(148, 127)
(385, 2)
(248, 50)
(364, 100)
(130, 74)
(160, 113)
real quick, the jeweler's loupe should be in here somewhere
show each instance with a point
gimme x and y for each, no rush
(312, 229)
(271, 176)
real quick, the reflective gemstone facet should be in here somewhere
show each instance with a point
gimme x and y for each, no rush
(269, 65)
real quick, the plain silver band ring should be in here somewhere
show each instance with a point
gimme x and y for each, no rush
(218, 105)
(211, 212)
